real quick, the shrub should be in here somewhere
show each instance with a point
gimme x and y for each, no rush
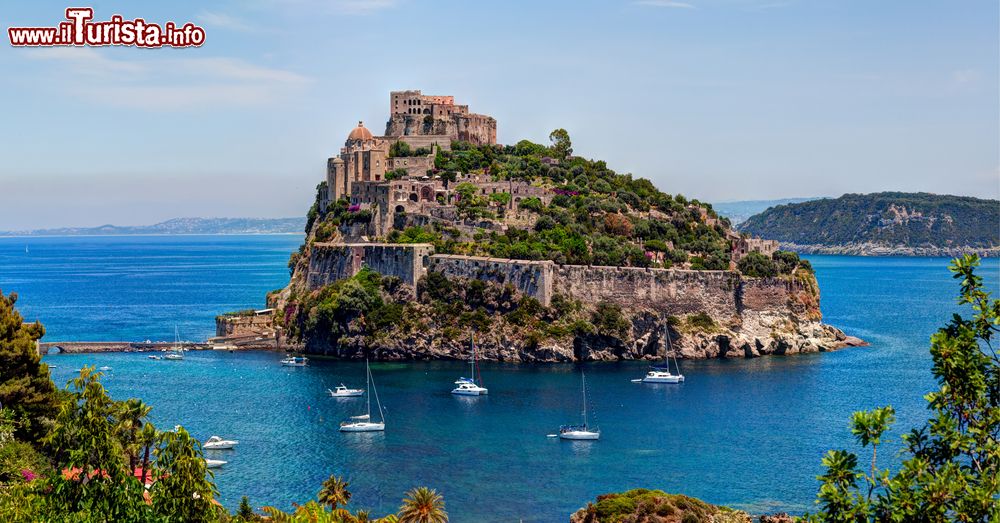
(756, 265)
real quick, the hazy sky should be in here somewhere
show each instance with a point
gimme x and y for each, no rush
(715, 99)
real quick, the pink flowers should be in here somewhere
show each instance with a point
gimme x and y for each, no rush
(354, 208)
(28, 475)
(566, 192)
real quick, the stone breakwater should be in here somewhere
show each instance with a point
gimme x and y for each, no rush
(875, 249)
(750, 316)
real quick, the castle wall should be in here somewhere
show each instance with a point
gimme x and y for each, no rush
(533, 278)
(670, 291)
(330, 262)
(720, 294)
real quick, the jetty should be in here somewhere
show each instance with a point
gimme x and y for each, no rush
(216, 343)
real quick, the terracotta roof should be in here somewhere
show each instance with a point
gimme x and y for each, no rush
(359, 133)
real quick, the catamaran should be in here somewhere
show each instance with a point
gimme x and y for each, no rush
(471, 386)
(177, 352)
(661, 373)
(364, 423)
(584, 431)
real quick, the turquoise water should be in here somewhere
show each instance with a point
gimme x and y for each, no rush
(746, 433)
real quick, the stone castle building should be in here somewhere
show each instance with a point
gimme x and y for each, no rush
(400, 191)
(421, 121)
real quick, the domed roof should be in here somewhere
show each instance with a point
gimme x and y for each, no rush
(359, 133)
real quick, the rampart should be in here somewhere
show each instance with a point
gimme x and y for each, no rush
(330, 262)
(533, 278)
(721, 294)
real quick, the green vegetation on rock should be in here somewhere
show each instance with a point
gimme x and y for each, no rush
(655, 506)
(888, 219)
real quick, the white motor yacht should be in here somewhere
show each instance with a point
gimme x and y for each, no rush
(342, 391)
(294, 361)
(217, 443)
(214, 463)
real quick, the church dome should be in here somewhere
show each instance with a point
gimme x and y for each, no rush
(359, 133)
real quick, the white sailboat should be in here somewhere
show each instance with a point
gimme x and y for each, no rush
(471, 386)
(177, 351)
(661, 373)
(584, 431)
(364, 423)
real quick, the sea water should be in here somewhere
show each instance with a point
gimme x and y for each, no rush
(744, 433)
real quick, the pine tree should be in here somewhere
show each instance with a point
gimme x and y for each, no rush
(25, 386)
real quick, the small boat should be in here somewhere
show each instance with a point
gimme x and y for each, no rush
(214, 463)
(584, 431)
(154, 357)
(294, 361)
(471, 386)
(364, 423)
(341, 391)
(105, 368)
(217, 443)
(661, 373)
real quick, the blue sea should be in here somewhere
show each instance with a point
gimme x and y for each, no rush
(746, 433)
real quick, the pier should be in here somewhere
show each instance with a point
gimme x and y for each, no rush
(217, 343)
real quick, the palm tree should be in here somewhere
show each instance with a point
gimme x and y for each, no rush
(131, 416)
(334, 492)
(423, 505)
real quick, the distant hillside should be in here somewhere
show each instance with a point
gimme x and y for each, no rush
(883, 223)
(180, 226)
(738, 212)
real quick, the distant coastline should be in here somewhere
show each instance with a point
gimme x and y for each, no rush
(176, 226)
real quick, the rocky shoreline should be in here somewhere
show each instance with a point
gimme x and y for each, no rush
(755, 337)
(875, 249)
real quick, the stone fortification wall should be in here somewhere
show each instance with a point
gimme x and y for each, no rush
(720, 294)
(533, 278)
(670, 291)
(229, 326)
(330, 262)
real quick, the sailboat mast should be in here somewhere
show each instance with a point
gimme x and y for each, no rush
(368, 386)
(583, 381)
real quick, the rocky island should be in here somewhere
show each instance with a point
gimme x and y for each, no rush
(420, 239)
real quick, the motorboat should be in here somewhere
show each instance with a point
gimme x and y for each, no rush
(364, 422)
(342, 391)
(583, 431)
(471, 386)
(105, 368)
(154, 357)
(217, 443)
(294, 361)
(214, 463)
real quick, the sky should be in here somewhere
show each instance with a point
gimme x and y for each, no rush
(719, 100)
